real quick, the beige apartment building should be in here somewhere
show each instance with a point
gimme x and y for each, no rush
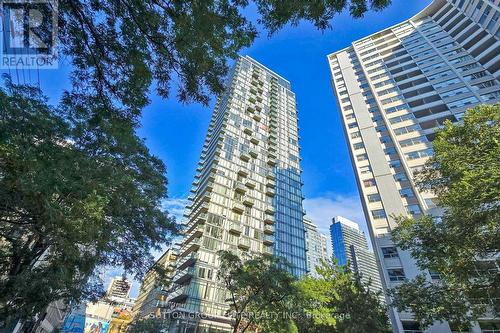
(395, 88)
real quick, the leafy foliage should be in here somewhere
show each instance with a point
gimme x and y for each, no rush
(150, 325)
(462, 244)
(78, 190)
(119, 48)
(259, 291)
(338, 301)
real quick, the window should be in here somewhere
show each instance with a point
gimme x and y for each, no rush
(462, 102)
(419, 154)
(396, 274)
(365, 169)
(390, 151)
(352, 125)
(394, 164)
(400, 177)
(361, 157)
(378, 214)
(455, 92)
(390, 252)
(369, 182)
(412, 141)
(406, 129)
(355, 135)
(373, 197)
(397, 108)
(358, 145)
(491, 95)
(406, 192)
(399, 119)
(413, 209)
(446, 83)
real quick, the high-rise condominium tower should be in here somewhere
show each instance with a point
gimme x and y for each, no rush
(247, 193)
(351, 248)
(315, 245)
(119, 287)
(394, 89)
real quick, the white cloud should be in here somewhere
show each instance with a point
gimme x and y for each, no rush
(322, 209)
(175, 207)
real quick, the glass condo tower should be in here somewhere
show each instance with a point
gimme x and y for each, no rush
(246, 196)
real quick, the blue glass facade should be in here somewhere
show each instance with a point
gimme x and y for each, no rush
(289, 230)
(338, 243)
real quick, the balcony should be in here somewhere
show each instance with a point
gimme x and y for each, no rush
(268, 229)
(250, 183)
(238, 208)
(239, 187)
(235, 228)
(268, 250)
(269, 219)
(253, 153)
(188, 261)
(196, 232)
(250, 109)
(243, 173)
(178, 295)
(193, 246)
(271, 155)
(270, 175)
(185, 276)
(270, 210)
(271, 183)
(271, 162)
(270, 192)
(245, 157)
(257, 117)
(268, 240)
(244, 243)
(254, 140)
(247, 201)
(247, 131)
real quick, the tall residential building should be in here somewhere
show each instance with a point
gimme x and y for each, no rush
(315, 246)
(394, 89)
(119, 287)
(151, 301)
(351, 248)
(247, 194)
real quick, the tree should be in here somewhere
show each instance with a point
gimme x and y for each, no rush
(149, 325)
(78, 190)
(461, 245)
(338, 301)
(259, 291)
(119, 48)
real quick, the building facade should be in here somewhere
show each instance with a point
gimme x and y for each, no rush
(316, 246)
(395, 88)
(119, 287)
(152, 297)
(351, 248)
(246, 196)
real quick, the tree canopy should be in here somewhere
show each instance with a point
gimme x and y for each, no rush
(462, 244)
(78, 190)
(338, 301)
(259, 291)
(120, 48)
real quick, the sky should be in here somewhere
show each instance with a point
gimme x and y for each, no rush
(175, 132)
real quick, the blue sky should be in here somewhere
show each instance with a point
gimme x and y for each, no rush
(175, 132)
